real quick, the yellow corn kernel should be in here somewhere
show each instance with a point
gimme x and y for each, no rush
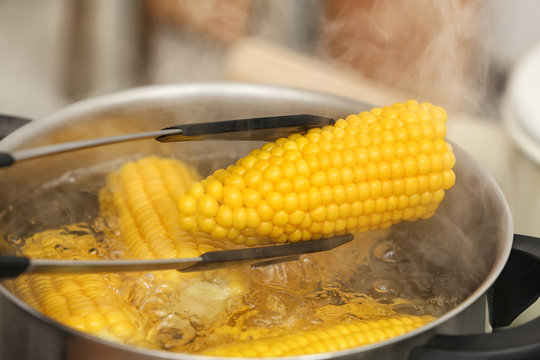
(145, 195)
(389, 158)
(76, 300)
(326, 338)
(140, 199)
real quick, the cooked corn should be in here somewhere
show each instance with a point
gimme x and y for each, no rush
(143, 196)
(90, 302)
(368, 171)
(323, 339)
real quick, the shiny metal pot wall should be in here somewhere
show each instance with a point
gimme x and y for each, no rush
(475, 206)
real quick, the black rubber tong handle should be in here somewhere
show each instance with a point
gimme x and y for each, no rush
(12, 266)
(10, 123)
(261, 128)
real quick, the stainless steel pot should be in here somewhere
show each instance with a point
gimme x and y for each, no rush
(475, 207)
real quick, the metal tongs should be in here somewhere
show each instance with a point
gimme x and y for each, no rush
(261, 128)
(12, 266)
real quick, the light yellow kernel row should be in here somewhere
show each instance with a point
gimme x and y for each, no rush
(327, 338)
(87, 302)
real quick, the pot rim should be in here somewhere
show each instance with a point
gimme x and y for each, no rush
(136, 95)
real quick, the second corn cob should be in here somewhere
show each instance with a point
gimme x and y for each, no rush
(368, 171)
(326, 338)
(88, 302)
(142, 196)
(138, 205)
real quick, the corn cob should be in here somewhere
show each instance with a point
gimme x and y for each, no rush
(142, 196)
(89, 302)
(327, 338)
(129, 307)
(366, 172)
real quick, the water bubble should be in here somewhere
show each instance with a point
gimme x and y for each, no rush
(416, 308)
(15, 240)
(173, 331)
(385, 286)
(437, 300)
(387, 252)
(99, 224)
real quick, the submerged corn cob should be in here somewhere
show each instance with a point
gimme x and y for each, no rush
(90, 302)
(325, 338)
(368, 171)
(143, 196)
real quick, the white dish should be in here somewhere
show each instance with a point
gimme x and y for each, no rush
(521, 106)
(523, 140)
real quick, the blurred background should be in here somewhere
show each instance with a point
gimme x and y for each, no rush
(459, 54)
(456, 53)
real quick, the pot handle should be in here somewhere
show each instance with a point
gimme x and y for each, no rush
(10, 123)
(515, 290)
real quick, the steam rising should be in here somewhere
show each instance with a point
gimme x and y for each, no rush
(424, 48)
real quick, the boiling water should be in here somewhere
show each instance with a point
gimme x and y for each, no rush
(407, 269)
